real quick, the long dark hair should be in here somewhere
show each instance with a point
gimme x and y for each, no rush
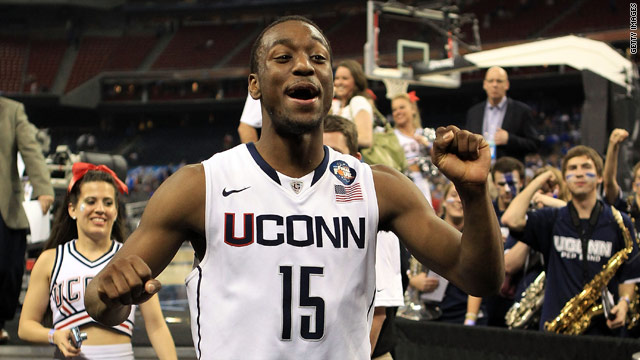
(64, 227)
(359, 78)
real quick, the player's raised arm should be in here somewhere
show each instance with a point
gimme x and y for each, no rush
(174, 213)
(473, 260)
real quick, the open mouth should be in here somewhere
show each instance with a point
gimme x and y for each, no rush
(302, 91)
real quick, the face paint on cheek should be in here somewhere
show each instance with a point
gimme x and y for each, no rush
(81, 207)
(570, 177)
(591, 177)
(508, 178)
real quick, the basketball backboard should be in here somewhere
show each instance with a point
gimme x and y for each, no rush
(409, 45)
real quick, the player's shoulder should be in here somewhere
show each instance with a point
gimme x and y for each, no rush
(188, 172)
(381, 170)
(389, 180)
(186, 183)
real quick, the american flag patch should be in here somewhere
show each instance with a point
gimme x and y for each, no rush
(348, 193)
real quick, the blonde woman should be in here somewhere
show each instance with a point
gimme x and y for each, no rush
(408, 129)
(86, 234)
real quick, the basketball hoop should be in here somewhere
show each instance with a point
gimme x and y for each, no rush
(395, 86)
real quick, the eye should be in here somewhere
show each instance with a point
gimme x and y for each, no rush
(319, 58)
(89, 201)
(282, 58)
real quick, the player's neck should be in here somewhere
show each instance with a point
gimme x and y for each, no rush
(294, 157)
(584, 203)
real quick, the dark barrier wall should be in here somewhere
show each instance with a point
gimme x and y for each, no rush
(438, 341)
(593, 126)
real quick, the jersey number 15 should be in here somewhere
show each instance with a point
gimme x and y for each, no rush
(305, 301)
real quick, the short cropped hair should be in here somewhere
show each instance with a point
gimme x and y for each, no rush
(582, 150)
(507, 164)
(256, 48)
(336, 123)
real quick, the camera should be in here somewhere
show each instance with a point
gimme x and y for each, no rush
(77, 337)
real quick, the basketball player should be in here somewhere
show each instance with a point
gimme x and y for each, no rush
(285, 228)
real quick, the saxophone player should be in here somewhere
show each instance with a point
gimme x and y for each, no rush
(563, 235)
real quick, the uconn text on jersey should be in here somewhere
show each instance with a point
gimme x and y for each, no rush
(295, 230)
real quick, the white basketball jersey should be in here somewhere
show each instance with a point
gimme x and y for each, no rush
(71, 274)
(288, 271)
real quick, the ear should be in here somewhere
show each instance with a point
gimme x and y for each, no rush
(359, 156)
(506, 85)
(254, 87)
(71, 209)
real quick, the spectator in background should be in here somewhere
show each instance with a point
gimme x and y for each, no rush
(508, 175)
(522, 263)
(458, 307)
(17, 135)
(560, 234)
(350, 88)
(410, 134)
(612, 192)
(506, 123)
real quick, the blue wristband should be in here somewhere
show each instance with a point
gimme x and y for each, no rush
(50, 336)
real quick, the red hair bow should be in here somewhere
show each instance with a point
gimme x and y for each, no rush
(80, 169)
(372, 94)
(412, 96)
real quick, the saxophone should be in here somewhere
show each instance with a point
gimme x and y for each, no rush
(526, 311)
(575, 317)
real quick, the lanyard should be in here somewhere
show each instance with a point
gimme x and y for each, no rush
(585, 234)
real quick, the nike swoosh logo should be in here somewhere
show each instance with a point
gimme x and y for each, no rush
(226, 193)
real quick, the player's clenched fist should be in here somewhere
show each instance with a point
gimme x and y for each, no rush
(462, 156)
(124, 281)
